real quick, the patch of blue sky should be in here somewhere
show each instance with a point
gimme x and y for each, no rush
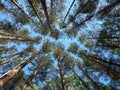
(94, 25)
(2, 16)
(26, 71)
(20, 46)
(23, 4)
(104, 80)
(101, 4)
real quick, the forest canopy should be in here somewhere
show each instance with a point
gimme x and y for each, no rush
(59, 44)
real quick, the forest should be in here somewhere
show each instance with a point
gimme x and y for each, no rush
(59, 44)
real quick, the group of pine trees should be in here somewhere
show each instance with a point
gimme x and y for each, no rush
(50, 45)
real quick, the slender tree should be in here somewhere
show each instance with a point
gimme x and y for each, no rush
(99, 12)
(83, 82)
(17, 5)
(35, 10)
(10, 74)
(68, 11)
(43, 2)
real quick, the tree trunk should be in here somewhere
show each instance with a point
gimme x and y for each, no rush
(11, 55)
(36, 12)
(51, 4)
(103, 38)
(11, 73)
(68, 11)
(83, 82)
(79, 11)
(101, 60)
(14, 38)
(32, 76)
(10, 11)
(61, 75)
(17, 5)
(86, 74)
(5, 33)
(99, 12)
(43, 2)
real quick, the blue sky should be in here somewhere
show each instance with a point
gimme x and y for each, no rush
(92, 25)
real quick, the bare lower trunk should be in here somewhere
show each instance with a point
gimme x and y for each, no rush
(100, 60)
(99, 12)
(86, 74)
(68, 10)
(14, 38)
(79, 11)
(35, 10)
(17, 5)
(62, 75)
(43, 2)
(11, 73)
(32, 76)
(83, 82)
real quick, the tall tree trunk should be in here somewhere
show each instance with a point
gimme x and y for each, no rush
(79, 11)
(108, 46)
(68, 11)
(43, 2)
(101, 60)
(8, 62)
(108, 68)
(32, 76)
(14, 38)
(5, 33)
(99, 12)
(104, 38)
(62, 75)
(11, 55)
(11, 73)
(9, 11)
(86, 74)
(83, 82)
(17, 5)
(36, 12)
(51, 4)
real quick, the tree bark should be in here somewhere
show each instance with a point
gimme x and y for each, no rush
(83, 82)
(103, 38)
(43, 2)
(62, 75)
(5, 33)
(11, 73)
(99, 12)
(14, 38)
(79, 10)
(68, 11)
(85, 73)
(17, 5)
(11, 55)
(32, 76)
(101, 60)
(36, 12)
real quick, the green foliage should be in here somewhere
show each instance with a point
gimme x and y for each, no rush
(69, 61)
(48, 46)
(73, 48)
(55, 34)
(89, 44)
(58, 51)
(71, 32)
(3, 48)
(82, 38)
(98, 34)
